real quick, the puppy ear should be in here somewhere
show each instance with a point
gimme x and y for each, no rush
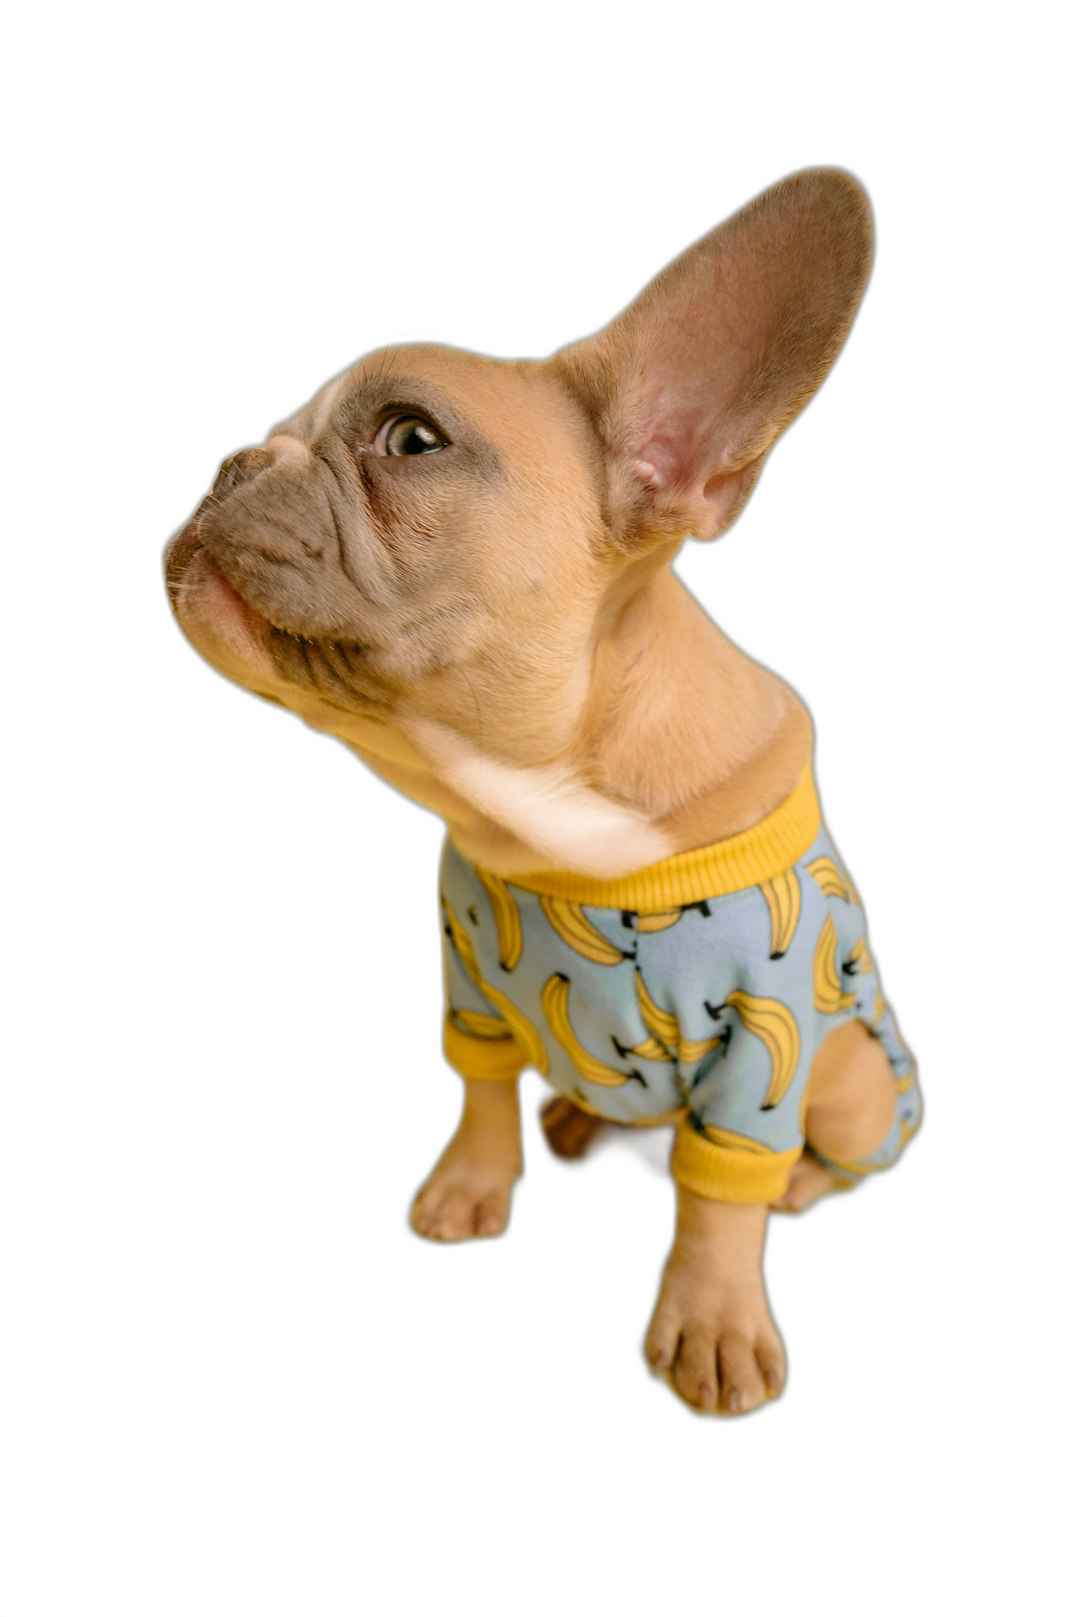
(692, 384)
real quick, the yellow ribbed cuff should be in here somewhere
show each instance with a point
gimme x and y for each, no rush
(766, 850)
(481, 1058)
(724, 1173)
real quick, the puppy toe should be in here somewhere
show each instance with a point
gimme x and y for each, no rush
(741, 1387)
(694, 1374)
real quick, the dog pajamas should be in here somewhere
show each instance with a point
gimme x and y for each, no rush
(696, 992)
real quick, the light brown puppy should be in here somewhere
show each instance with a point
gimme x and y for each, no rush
(461, 568)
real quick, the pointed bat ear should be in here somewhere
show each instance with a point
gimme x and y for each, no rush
(692, 384)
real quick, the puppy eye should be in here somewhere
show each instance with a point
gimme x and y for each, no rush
(408, 435)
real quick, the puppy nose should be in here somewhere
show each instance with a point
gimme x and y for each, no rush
(240, 468)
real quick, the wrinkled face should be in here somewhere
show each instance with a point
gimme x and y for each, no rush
(424, 539)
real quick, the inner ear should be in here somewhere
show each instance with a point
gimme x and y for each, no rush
(692, 384)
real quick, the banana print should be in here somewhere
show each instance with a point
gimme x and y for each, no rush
(778, 1030)
(664, 1035)
(659, 921)
(829, 879)
(736, 1142)
(575, 928)
(507, 918)
(834, 881)
(853, 891)
(661, 1024)
(519, 1024)
(649, 1049)
(783, 895)
(829, 996)
(691, 1051)
(647, 921)
(554, 998)
(858, 960)
(480, 1026)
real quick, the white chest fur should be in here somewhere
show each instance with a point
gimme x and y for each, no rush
(568, 824)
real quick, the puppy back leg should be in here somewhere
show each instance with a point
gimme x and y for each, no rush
(569, 1131)
(851, 1111)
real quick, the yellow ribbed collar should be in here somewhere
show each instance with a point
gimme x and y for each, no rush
(757, 855)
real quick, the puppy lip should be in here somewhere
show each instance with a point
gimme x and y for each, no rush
(181, 554)
(178, 556)
(209, 579)
(190, 559)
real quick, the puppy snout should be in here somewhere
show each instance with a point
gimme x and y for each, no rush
(240, 468)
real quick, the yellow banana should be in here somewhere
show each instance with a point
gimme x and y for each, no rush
(650, 1049)
(463, 944)
(658, 921)
(554, 997)
(692, 1051)
(507, 919)
(829, 997)
(663, 1026)
(738, 1142)
(829, 879)
(479, 1026)
(574, 927)
(778, 1030)
(784, 897)
(853, 891)
(860, 957)
(519, 1025)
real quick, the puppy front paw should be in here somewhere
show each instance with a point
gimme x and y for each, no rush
(467, 1195)
(719, 1349)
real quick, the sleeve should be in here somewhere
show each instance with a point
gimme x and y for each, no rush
(477, 1041)
(728, 1167)
(745, 1131)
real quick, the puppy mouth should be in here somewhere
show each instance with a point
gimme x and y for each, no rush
(237, 637)
(178, 555)
(200, 592)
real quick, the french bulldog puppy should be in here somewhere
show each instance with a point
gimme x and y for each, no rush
(461, 568)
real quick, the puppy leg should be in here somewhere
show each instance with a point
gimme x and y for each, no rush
(468, 1191)
(568, 1130)
(574, 1137)
(851, 1107)
(712, 1333)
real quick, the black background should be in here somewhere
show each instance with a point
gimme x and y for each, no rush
(290, 899)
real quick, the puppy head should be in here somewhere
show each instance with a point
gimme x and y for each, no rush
(441, 539)
(421, 541)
